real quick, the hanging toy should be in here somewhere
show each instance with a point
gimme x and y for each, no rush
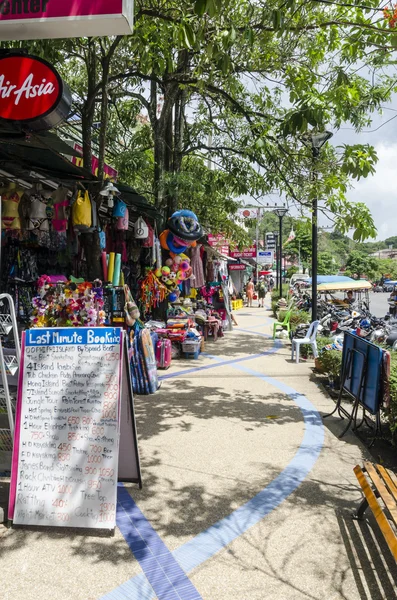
(165, 271)
(183, 232)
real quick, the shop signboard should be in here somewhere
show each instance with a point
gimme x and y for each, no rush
(265, 257)
(246, 253)
(72, 391)
(109, 172)
(32, 92)
(271, 241)
(49, 19)
(219, 242)
(237, 267)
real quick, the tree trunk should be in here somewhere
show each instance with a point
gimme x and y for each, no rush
(88, 111)
(106, 61)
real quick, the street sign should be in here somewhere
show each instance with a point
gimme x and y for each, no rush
(265, 257)
(237, 267)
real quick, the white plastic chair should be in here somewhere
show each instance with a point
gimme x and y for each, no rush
(309, 339)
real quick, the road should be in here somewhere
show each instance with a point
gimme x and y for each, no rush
(378, 303)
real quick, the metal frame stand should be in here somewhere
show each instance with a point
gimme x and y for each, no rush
(347, 374)
(9, 366)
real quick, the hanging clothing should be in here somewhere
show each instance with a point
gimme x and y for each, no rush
(210, 271)
(197, 267)
(10, 198)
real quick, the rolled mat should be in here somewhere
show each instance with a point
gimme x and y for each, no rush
(117, 269)
(111, 266)
(104, 267)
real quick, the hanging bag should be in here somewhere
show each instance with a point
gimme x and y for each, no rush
(122, 222)
(141, 229)
(82, 212)
(119, 208)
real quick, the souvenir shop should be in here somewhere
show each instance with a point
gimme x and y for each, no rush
(80, 252)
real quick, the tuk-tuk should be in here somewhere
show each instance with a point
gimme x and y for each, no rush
(328, 285)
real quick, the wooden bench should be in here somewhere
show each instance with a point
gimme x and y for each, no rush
(379, 486)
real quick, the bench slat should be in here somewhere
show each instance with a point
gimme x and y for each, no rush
(382, 489)
(379, 515)
(392, 477)
(386, 474)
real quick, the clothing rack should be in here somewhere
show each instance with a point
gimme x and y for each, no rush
(10, 359)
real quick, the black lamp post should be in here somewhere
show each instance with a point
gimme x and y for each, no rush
(315, 141)
(280, 212)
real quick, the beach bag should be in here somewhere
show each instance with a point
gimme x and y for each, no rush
(82, 212)
(119, 208)
(122, 222)
(141, 229)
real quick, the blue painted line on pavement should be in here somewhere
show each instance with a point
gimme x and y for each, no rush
(222, 363)
(206, 544)
(168, 580)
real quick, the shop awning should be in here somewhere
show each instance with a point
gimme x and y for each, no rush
(343, 286)
(24, 161)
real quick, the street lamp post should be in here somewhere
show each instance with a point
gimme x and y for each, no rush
(280, 212)
(315, 141)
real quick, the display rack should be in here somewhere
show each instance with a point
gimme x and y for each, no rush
(10, 355)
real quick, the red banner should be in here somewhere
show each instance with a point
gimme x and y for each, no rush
(219, 242)
(237, 267)
(246, 253)
(109, 172)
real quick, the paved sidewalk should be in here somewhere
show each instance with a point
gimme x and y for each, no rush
(246, 490)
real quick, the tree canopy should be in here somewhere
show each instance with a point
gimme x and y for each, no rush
(206, 102)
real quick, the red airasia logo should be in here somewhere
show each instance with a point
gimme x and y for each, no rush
(29, 88)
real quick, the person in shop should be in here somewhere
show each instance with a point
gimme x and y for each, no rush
(262, 291)
(249, 290)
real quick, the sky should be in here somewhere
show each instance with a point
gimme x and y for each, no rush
(378, 191)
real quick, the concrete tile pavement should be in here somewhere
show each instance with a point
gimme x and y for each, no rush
(210, 440)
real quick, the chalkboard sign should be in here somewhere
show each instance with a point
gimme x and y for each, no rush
(65, 461)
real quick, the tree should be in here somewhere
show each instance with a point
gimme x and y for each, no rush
(359, 264)
(301, 245)
(391, 241)
(210, 77)
(326, 264)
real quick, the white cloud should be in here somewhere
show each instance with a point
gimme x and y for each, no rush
(379, 192)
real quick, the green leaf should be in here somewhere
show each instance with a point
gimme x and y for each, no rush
(200, 7)
(190, 35)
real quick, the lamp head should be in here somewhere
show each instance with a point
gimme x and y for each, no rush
(315, 140)
(108, 189)
(281, 212)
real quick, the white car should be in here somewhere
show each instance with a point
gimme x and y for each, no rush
(299, 277)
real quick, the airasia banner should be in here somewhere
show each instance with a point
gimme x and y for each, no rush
(109, 172)
(32, 93)
(246, 253)
(47, 19)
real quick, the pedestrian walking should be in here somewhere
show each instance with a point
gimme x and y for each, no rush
(262, 290)
(271, 284)
(249, 290)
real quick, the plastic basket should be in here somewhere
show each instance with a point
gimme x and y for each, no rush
(191, 346)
